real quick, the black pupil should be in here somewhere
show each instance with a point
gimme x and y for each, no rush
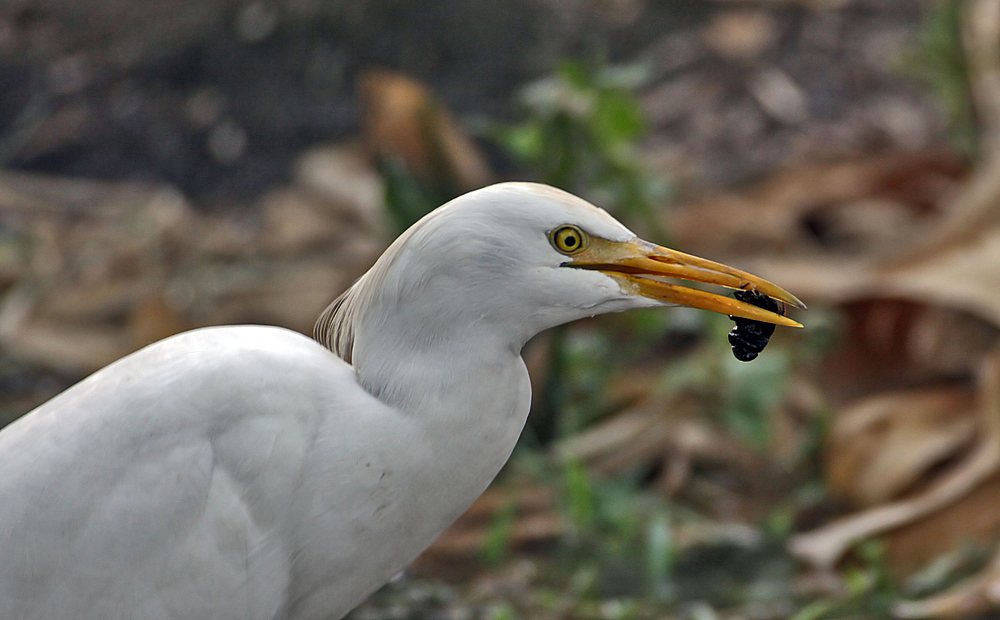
(570, 240)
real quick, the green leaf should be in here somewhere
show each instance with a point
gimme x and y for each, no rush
(525, 141)
(579, 496)
(576, 74)
(618, 118)
(497, 541)
(661, 553)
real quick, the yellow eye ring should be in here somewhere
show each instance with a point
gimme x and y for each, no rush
(569, 239)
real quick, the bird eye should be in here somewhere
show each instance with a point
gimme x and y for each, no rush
(568, 239)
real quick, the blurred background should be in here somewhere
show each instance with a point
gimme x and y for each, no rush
(173, 164)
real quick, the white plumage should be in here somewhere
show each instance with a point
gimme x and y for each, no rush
(251, 473)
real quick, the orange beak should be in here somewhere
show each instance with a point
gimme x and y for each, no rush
(639, 266)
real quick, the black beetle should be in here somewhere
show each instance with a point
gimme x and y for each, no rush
(749, 337)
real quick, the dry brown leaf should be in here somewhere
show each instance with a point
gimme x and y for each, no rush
(536, 519)
(221, 237)
(296, 222)
(154, 319)
(643, 436)
(874, 204)
(965, 277)
(825, 546)
(981, 41)
(67, 348)
(344, 179)
(968, 215)
(665, 438)
(290, 293)
(607, 437)
(526, 530)
(740, 34)
(882, 446)
(104, 300)
(404, 122)
(975, 596)
(126, 263)
(43, 193)
(973, 519)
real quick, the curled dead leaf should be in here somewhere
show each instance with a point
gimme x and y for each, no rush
(872, 206)
(882, 446)
(824, 547)
(403, 121)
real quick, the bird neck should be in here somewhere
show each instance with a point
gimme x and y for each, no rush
(469, 391)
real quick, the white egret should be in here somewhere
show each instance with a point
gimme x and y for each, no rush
(253, 473)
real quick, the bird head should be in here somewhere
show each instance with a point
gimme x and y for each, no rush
(516, 258)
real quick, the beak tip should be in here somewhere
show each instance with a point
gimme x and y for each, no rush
(784, 321)
(789, 299)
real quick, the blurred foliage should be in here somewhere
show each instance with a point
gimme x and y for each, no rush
(870, 592)
(622, 553)
(580, 134)
(497, 544)
(938, 61)
(948, 570)
(740, 396)
(621, 557)
(407, 199)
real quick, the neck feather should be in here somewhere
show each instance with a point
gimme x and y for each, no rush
(420, 362)
(469, 389)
